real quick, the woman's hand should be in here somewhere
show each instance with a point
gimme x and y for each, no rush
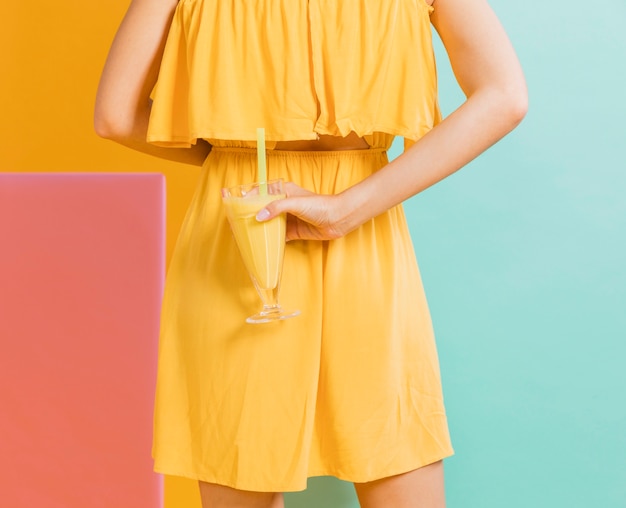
(310, 216)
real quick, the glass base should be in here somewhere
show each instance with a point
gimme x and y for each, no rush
(274, 313)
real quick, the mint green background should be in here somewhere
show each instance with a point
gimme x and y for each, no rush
(522, 255)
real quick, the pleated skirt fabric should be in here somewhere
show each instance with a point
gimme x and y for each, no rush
(350, 388)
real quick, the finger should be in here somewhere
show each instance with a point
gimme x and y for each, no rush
(294, 190)
(291, 232)
(299, 230)
(275, 208)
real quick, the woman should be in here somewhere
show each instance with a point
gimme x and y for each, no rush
(351, 387)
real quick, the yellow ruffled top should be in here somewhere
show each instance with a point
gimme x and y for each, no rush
(299, 68)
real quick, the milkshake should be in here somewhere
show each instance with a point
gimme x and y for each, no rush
(261, 244)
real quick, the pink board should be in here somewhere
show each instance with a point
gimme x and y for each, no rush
(81, 274)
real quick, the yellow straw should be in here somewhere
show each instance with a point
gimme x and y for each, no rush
(260, 151)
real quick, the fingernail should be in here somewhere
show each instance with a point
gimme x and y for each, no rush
(263, 214)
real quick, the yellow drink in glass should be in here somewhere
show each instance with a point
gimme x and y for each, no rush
(261, 244)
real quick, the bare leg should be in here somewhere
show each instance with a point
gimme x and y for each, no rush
(421, 488)
(219, 496)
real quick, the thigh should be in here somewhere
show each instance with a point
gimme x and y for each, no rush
(420, 488)
(220, 496)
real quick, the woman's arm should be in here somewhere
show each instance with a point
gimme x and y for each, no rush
(489, 73)
(123, 100)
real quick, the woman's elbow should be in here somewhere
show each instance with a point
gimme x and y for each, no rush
(105, 122)
(518, 104)
(110, 122)
(514, 102)
(108, 126)
(103, 127)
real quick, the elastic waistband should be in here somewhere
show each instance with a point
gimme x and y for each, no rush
(365, 152)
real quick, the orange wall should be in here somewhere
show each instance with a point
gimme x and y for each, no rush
(51, 55)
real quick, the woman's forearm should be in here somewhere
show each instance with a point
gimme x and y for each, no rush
(479, 123)
(488, 115)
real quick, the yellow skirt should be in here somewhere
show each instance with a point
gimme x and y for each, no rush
(350, 388)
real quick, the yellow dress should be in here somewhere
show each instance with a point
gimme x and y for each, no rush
(351, 387)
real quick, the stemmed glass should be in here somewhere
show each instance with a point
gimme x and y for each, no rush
(261, 244)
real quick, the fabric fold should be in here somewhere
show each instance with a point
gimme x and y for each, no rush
(363, 66)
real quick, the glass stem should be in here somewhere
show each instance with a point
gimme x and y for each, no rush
(269, 297)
